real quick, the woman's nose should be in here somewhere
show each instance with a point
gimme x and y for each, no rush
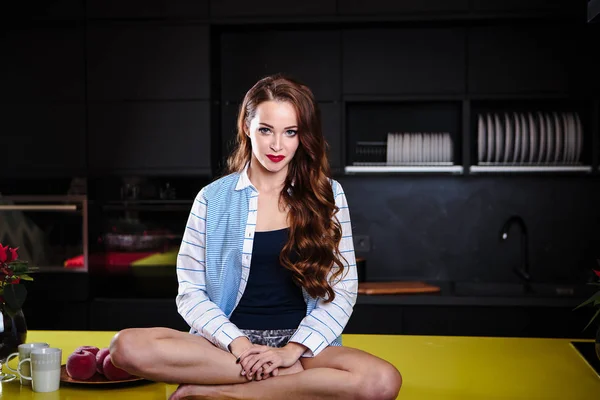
(276, 143)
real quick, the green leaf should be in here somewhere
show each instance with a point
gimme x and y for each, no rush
(19, 267)
(594, 297)
(15, 296)
(26, 277)
(591, 320)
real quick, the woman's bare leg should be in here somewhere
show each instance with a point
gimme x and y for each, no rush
(336, 373)
(171, 356)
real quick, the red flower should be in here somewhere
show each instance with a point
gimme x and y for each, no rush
(16, 280)
(13, 254)
(3, 253)
(597, 273)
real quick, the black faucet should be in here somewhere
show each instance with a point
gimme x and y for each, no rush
(523, 271)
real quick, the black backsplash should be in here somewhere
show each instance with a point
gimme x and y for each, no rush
(447, 228)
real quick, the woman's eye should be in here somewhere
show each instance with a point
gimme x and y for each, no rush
(263, 130)
(291, 132)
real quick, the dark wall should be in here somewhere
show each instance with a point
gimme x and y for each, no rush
(448, 228)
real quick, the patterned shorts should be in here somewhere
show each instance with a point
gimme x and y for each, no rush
(271, 337)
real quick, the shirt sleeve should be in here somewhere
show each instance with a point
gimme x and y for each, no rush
(192, 300)
(327, 320)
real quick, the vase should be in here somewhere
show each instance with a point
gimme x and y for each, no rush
(13, 332)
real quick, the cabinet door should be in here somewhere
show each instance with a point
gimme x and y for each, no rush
(355, 7)
(404, 61)
(150, 137)
(313, 57)
(332, 130)
(42, 64)
(147, 8)
(244, 8)
(42, 140)
(521, 59)
(141, 61)
(527, 5)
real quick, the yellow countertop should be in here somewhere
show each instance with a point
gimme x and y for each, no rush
(433, 367)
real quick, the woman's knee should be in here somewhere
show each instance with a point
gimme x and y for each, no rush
(127, 347)
(382, 382)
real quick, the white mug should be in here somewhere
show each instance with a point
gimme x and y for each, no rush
(45, 369)
(23, 353)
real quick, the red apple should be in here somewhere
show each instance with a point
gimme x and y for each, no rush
(81, 365)
(100, 356)
(92, 349)
(113, 373)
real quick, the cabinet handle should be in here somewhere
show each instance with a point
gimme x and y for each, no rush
(38, 207)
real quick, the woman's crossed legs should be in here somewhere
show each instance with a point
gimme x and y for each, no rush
(167, 355)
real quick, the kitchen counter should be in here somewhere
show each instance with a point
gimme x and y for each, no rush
(433, 367)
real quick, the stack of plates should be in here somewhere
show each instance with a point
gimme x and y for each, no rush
(419, 149)
(531, 138)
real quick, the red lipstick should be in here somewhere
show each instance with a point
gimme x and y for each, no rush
(275, 158)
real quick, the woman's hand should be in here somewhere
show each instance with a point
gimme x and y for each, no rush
(258, 362)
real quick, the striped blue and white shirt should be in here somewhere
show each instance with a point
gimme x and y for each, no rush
(214, 259)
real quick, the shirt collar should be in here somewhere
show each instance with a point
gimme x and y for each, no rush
(243, 181)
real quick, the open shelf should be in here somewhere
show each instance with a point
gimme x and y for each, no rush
(529, 168)
(394, 169)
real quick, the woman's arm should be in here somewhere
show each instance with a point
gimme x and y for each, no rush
(192, 300)
(327, 321)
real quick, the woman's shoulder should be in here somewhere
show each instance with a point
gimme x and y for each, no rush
(220, 186)
(336, 187)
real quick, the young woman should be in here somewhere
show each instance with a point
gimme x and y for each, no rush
(267, 272)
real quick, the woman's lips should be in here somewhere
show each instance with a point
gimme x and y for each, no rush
(275, 158)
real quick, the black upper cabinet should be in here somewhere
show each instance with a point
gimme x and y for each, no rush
(312, 57)
(404, 61)
(147, 9)
(332, 130)
(400, 7)
(150, 137)
(49, 10)
(260, 8)
(521, 59)
(528, 5)
(146, 61)
(41, 65)
(42, 140)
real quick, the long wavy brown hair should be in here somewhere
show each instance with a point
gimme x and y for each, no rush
(312, 249)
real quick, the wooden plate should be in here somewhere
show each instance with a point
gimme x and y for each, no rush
(97, 379)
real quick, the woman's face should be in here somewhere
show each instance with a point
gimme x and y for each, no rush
(273, 134)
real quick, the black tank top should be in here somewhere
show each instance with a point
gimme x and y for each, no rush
(271, 299)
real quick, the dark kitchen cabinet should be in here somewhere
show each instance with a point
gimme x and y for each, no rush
(404, 61)
(386, 7)
(42, 140)
(150, 137)
(147, 9)
(271, 8)
(42, 65)
(522, 59)
(147, 61)
(313, 57)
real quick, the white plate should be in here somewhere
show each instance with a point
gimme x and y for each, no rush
(517, 125)
(405, 148)
(575, 137)
(481, 142)
(579, 127)
(524, 139)
(491, 139)
(450, 149)
(499, 139)
(508, 145)
(558, 139)
(533, 139)
(388, 149)
(541, 125)
(549, 138)
(567, 138)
